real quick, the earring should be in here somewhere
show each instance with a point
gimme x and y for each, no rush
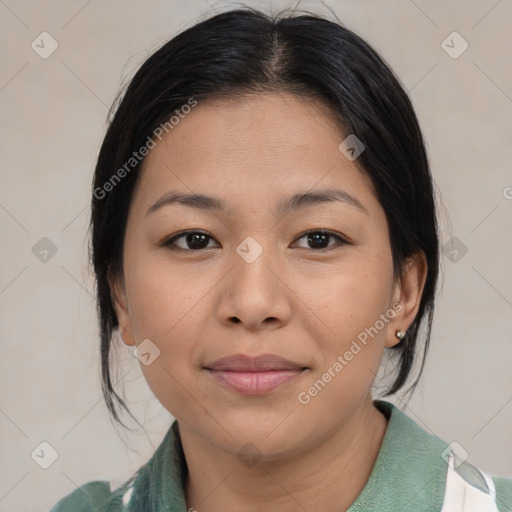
(400, 334)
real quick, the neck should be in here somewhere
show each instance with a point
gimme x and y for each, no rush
(330, 475)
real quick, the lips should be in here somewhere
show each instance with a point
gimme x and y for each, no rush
(244, 363)
(254, 375)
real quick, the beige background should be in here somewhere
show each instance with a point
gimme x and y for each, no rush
(53, 121)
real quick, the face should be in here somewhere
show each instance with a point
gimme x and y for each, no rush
(251, 273)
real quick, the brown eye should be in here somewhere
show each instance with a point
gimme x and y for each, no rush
(319, 240)
(188, 241)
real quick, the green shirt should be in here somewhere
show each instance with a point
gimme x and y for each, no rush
(410, 475)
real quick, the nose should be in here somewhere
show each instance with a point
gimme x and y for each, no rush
(254, 293)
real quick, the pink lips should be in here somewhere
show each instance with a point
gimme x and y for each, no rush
(254, 375)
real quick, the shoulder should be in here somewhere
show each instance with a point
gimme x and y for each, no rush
(97, 496)
(503, 489)
(410, 456)
(94, 496)
(156, 485)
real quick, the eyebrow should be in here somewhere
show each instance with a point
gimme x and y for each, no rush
(297, 201)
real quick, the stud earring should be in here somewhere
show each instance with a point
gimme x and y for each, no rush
(400, 334)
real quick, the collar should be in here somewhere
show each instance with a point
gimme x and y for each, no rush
(409, 472)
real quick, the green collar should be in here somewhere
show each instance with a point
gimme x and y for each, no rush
(409, 473)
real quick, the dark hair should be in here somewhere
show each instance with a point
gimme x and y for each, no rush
(245, 51)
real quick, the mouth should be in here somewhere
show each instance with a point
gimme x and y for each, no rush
(254, 375)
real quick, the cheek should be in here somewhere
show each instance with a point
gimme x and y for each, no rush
(164, 310)
(170, 307)
(351, 298)
(352, 348)
(160, 295)
(352, 302)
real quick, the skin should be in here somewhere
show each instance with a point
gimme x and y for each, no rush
(295, 300)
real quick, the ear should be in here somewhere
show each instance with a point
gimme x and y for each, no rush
(408, 291)
(120, 303)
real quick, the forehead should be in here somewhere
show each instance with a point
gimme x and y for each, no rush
(253, 148)
(274, 124)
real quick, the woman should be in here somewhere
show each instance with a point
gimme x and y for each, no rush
(263, 229)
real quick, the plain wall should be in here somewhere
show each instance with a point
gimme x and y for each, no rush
(53, 121)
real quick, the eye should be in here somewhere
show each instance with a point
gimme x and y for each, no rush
(198, 240)
(192, 241)
(319, 238)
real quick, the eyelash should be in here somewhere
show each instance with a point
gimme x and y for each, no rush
(170, 242)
